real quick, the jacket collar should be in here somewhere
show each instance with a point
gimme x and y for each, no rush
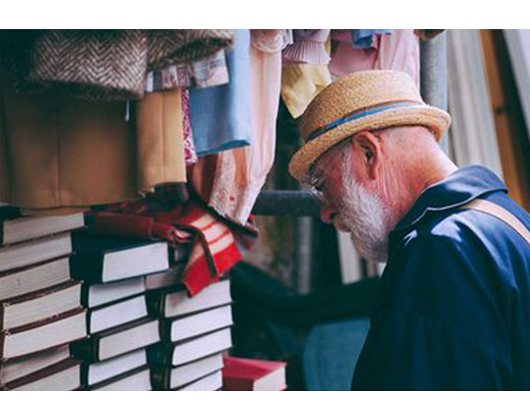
(459, 188)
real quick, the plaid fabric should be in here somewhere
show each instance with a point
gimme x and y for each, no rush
(214, 250)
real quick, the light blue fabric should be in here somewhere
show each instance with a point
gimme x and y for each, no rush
(363, 38)
(220, 115)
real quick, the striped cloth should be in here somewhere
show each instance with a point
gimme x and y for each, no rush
(213, 240)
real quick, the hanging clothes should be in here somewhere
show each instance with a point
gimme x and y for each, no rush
(190, 155)
(367, 38)
(309, 47)
(231, 181)
(208, 72)
(300, 84)
(220, 116)
(400, 51)
(62, 155)
(346, 58)
(305, 68)
(427, 34)
(160, 139)
(102, 65)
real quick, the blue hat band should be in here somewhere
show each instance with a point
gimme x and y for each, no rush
(356, 115)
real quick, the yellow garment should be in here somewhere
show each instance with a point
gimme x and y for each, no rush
(301, 83)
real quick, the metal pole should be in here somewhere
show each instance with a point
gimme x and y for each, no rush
(433, 75)
(286, 203)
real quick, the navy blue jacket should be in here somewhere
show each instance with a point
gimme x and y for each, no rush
(453, 311)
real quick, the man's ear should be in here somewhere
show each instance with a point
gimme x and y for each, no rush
(368, 147)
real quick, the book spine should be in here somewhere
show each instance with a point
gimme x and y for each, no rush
(86, 267)
(155, 303)
(159, 354)
(85, 367)
(2, 343)
(160, 377)
(86, 350)
(2, 316)
(85, 294)
(237, 384)
(164, 329)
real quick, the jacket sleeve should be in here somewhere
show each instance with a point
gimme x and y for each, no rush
(438, 325)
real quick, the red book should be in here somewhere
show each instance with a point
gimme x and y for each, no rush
(253, 375)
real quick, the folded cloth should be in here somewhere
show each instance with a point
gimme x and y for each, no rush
(102, 64)
(213, 241)
(207, 72)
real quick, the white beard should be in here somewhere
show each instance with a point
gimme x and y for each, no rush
(366, 219)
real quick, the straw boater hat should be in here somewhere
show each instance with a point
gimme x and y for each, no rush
(367, 100)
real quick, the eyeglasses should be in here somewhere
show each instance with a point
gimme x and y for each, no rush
(315, 184)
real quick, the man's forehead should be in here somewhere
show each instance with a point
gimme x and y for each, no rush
(325, 158)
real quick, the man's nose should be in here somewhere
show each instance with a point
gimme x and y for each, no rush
(327, 212)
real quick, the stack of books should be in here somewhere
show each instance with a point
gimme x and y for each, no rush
(194, 334)
(241, 374)
(120, 329)
(40, 304)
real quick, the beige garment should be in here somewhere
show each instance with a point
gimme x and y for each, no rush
(62, 155)
(160, 139)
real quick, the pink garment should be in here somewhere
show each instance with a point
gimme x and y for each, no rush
(400, 51)
(190, 154)
(308, 47)
(345, 59)
(239, 174)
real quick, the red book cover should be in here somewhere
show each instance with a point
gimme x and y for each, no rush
(241, 374)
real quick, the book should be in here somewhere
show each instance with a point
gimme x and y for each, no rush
(35, 277)
(178, 329)
(99, 259)
(65, 328)
(180, 254)
(95, 295)
(176, 354)
(14, 369)
(166, 279)
(212, 382)
(137, 380)
(62, 376)
(116, 313)
(169, 304)
(95, 373)
(20, 229)
(241, 374)
(167, 377)
(43, 304)
(117, 341)
(33, 252)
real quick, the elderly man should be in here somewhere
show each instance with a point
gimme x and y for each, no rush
(453, 310)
